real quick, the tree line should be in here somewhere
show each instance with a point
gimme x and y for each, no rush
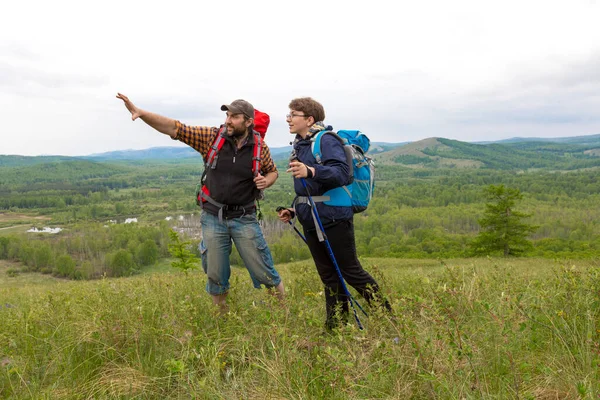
(89, 251)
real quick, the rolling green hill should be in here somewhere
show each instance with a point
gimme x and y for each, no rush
(66, 170)
(440, 152)
(20, 161)
(588, 139)
(132, 168)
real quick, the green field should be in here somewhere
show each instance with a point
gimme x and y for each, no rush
(463, 328)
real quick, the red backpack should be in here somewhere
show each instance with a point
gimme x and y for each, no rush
(261, 124)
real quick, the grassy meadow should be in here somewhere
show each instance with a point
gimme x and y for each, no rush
(463, 329)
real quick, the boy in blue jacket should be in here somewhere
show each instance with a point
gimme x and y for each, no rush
(305, 120)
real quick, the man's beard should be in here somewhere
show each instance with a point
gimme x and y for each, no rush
(237, 132)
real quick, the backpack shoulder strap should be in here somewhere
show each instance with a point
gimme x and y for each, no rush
(316, 143)
(316, 150)
(257, 151)
(212, 155)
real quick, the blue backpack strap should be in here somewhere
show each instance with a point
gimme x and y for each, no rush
(316, 148)
(316, 144)
(342, 195)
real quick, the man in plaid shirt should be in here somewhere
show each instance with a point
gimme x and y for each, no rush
(233, 188)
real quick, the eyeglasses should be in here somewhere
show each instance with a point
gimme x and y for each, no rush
(292, 115)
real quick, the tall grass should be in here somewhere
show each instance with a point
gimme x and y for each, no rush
(504, 329)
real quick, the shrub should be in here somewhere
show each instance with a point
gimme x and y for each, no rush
(65, 266)
(121, 263)
(147, 252)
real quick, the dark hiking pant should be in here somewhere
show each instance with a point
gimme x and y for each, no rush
(341, 240)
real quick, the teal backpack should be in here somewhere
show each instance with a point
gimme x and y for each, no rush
(359, 191)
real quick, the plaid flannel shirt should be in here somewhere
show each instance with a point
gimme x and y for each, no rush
(201, 138)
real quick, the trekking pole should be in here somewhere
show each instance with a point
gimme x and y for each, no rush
(293, 226)
(332, 256)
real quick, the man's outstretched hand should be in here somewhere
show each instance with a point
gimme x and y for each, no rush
(162, 124)
(135, 112)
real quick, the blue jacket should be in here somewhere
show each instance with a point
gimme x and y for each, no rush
(331, 173)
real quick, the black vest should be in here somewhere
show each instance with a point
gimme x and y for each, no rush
(231, 182)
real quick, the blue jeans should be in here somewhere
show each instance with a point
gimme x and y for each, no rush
(215, 248)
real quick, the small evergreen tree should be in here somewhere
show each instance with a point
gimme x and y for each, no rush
(184, 258)
(502, 228)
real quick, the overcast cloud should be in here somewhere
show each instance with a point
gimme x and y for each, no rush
(399, 71)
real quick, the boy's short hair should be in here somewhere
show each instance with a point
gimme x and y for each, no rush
(309, 106)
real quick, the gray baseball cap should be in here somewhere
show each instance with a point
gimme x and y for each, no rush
(239, 106)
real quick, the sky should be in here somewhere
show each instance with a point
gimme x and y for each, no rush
(397, 70)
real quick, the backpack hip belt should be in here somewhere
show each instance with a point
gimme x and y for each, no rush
(224, 207)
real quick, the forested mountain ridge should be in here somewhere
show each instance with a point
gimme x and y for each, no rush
(279, 153)
(588, 139)
(51, 175)
(66, 170)
(167, 153)
(157, 153)
(511, 154)
(162, 153)
(441, 152)
(19, 161)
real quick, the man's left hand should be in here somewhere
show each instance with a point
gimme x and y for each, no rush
(260, 182)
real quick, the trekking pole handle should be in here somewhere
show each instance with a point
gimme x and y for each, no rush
(292, 213)
(280, 208)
